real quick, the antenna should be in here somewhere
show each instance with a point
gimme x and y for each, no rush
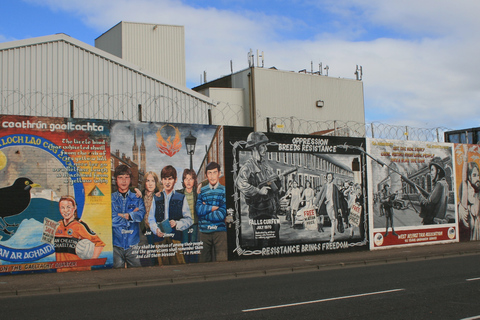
(260, 56)
(250, 57)
(231, 66)
(326, 70)
(359, 72)
(311, 67)
(320, 66)
(204, 76)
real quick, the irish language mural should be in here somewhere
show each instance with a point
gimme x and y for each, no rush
(294, 194)
(55, 194)
(412, 187)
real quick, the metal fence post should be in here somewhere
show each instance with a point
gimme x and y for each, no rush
(72, 109)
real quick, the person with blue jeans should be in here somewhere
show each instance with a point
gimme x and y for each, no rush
(127, 212)
(169, 211)
(211, 210)
(190, 236)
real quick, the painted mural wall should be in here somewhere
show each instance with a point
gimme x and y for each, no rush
(294, 194)
(467, 171)
(55, 194)
(83, 194)
(172, 209)
(412, 193)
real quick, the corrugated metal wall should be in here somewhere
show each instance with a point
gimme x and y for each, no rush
(111, 41)
(154, 47)
(42, 78)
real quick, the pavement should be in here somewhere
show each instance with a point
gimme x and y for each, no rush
(50, 283)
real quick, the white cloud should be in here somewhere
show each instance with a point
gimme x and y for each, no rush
(419, 57)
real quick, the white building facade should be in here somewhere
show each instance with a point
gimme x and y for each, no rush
(250, 96)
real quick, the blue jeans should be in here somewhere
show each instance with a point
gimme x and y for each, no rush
(122, 257)
(190, 236)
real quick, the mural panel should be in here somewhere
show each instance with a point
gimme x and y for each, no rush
(55, 194)
(168, 194)
(412, 185)
(293, 194)
(467, 171)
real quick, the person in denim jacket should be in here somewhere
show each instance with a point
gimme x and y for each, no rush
(127, 212)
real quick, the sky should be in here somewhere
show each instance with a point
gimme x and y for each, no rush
(420, 59)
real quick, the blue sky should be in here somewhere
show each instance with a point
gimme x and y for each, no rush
(419, 58)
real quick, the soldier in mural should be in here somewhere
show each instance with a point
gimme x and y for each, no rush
(169, 216)
(260, 185)
(127, 212)
(211, 211)
(434, 205)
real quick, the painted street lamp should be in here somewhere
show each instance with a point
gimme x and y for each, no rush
(190, 142)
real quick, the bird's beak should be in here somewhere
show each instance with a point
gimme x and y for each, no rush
(35, 185)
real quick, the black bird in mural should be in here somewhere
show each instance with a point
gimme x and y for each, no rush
(14, 200)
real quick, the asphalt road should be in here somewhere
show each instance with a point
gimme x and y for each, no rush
(445, 288)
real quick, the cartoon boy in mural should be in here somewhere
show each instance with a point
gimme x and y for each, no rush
(127, 212)
(212, 211)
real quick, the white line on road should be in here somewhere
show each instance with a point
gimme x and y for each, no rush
(473, 279)
(322, 300)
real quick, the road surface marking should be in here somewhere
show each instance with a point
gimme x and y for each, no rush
(473, 279)
(322, 300)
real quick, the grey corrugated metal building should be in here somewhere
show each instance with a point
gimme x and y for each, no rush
(142, 78)
(154, 47)
(60, 76)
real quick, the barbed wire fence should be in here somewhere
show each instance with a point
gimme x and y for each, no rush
(137, 106)
(144, 106)
(375, 129)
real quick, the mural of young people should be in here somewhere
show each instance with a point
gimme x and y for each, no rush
(294, 194)
(168, 164)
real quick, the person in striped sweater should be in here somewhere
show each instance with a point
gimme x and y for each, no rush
(211, 210)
